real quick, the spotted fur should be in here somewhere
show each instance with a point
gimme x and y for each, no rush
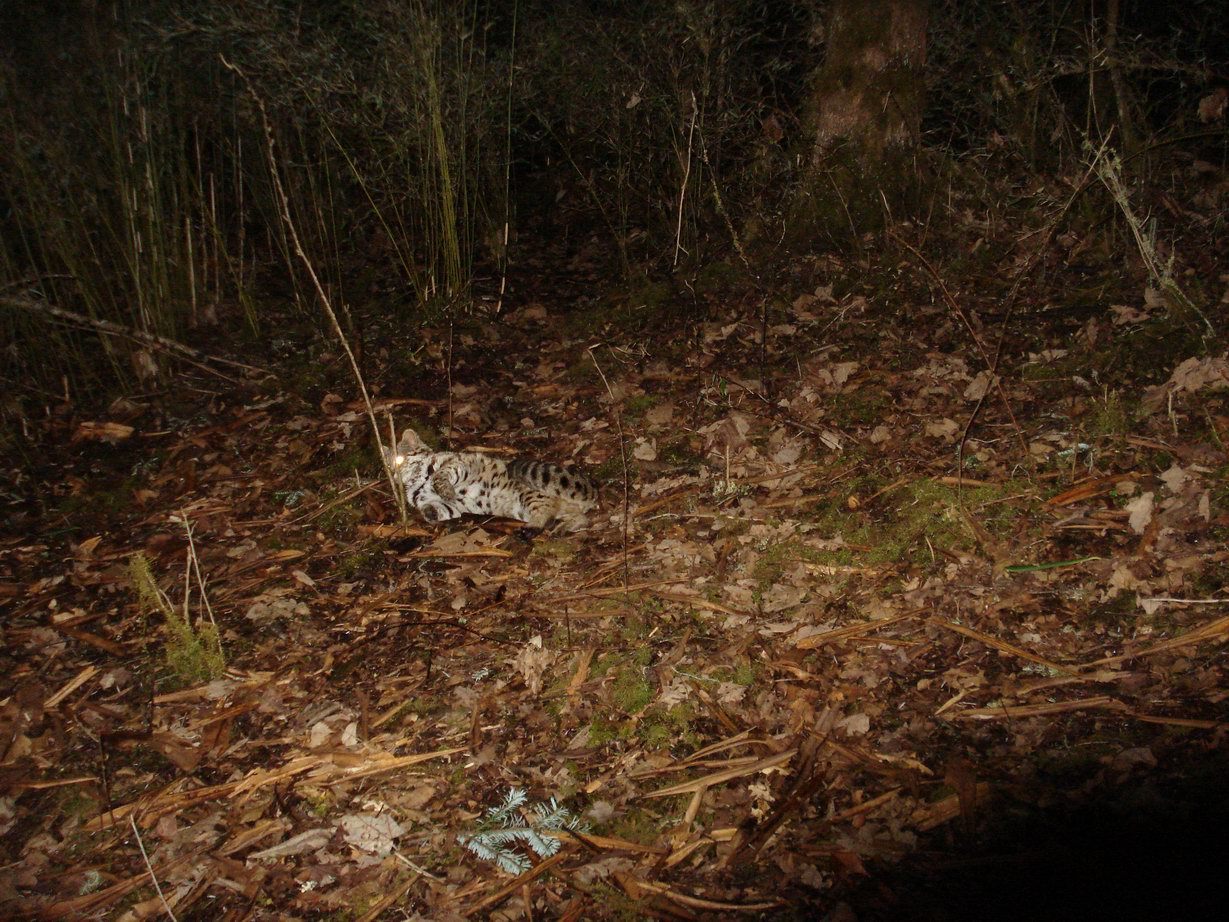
(444, 485)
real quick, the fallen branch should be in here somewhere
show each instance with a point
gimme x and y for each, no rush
(930, 816)
(615, 590)
(436, 554)
(507, 890)
(1169, 599)
(323, 771)
(739, 771)
(1098, 702)
(696, 601)
(853, 630)
(151, 340)
(1044, 709)
(1209, 631)
(633, 887)
(1094, 486)
(1001, 645)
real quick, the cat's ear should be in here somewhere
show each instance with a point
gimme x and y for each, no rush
(410, 443)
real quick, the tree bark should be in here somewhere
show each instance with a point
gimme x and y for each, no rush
(863, 119)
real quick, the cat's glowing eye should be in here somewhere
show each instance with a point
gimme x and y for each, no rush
(398, 460)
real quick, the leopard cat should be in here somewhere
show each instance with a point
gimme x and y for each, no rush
(444, 485)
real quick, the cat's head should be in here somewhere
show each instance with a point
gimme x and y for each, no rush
(408, 445)
(411, 444)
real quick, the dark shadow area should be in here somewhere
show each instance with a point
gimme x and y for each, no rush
(1148, 848)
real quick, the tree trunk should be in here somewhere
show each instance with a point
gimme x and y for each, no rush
(863, 119)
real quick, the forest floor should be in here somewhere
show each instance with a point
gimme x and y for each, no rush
(860, 630)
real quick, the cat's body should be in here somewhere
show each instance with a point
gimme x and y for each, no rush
(443, 485)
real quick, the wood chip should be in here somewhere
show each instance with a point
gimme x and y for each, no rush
(853, 630)
(740, 771)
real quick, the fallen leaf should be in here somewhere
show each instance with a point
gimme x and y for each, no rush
(855, 724)
(368, 832)
(312, 840)
(103, 432)
(532, 662)
(1141, 512)
(946, 429)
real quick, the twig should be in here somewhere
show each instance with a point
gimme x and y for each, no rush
(415, 867)
(632, 885)
(797, 788)
(335, 501)
(1009, 311)
(1187, 601)
(742, 255)
(777, 415)
(503, 892)
(606, 593)
(678, 230)
(1001, 645)
(991, 363)
(89, 905)
(194, 565)
(853, 630)
(1108, 167)
(389, 899)
(448, 367)
(149, 867)
(741, 770)
(614, 405)
(503, 256)
(399, 494)
(1004, 711)
(1210, 631)
(283, 202)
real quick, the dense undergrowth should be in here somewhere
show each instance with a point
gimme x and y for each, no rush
(417, 144)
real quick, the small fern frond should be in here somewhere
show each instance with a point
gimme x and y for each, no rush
(505, 813)
(543, 846)
(505, 828)
(493, 847)
(551, 816)
(512, 863)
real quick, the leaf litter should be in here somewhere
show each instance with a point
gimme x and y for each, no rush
(811, 644)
